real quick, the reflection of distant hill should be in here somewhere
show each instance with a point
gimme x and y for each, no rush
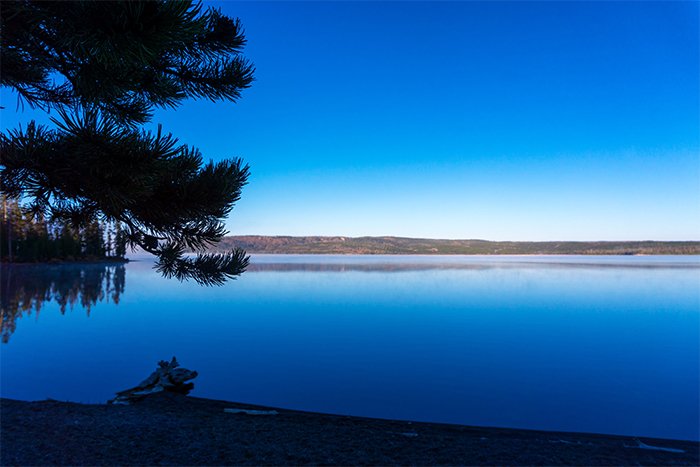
(363, 267)
(423, 246)
(26, 288)
(426, 266)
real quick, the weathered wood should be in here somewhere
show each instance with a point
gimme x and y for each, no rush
(167, 377)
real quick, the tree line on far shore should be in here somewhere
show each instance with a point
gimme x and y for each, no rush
(29, 238)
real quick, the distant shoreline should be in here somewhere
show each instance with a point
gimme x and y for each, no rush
(260, 244)
(464, 255)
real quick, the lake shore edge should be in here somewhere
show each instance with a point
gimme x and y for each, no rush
(180, 430)
(64, 262)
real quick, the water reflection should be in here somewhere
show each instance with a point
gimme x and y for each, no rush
(364, 264)
(563, 346)
(347, 267)
(26, 288)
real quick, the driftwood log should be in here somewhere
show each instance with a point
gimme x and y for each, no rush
(167, 377)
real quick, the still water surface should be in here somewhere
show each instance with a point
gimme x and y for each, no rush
(596, 344)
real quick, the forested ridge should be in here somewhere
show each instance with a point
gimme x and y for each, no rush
(426, 246)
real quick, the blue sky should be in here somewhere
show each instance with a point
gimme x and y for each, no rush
(501, 121)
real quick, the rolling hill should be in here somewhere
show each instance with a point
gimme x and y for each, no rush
(425, 246)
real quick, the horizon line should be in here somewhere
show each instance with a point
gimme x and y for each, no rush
(451, 239)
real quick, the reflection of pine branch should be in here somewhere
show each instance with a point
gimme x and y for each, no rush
(27, 288)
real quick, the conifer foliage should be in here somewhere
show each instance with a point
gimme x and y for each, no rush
(28, 238)
(101, 68)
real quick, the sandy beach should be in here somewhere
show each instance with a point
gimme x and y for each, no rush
(170, 429)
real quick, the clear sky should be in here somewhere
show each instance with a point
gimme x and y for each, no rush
(501, 121)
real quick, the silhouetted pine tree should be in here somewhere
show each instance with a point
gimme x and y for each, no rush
(120, 241)
(93, 240)
(68, 243)
(104, 66)
(108, 242)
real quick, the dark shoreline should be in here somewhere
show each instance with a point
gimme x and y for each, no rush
(177, 430)
(64, 262)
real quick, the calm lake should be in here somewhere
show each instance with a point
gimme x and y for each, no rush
(592, 344)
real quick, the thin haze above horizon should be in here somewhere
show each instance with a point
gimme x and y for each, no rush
(500, 120)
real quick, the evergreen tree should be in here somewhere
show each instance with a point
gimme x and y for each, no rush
(44, 246)
(93, 240)
(36, 239)
(13, 229)
(104, 67)
(68, 245)
(108, 243)
(119, 241)
(5, 230)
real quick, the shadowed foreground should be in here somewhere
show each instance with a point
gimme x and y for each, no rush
(174, 429)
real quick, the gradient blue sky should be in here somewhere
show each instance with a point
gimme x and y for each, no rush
(501, 121)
